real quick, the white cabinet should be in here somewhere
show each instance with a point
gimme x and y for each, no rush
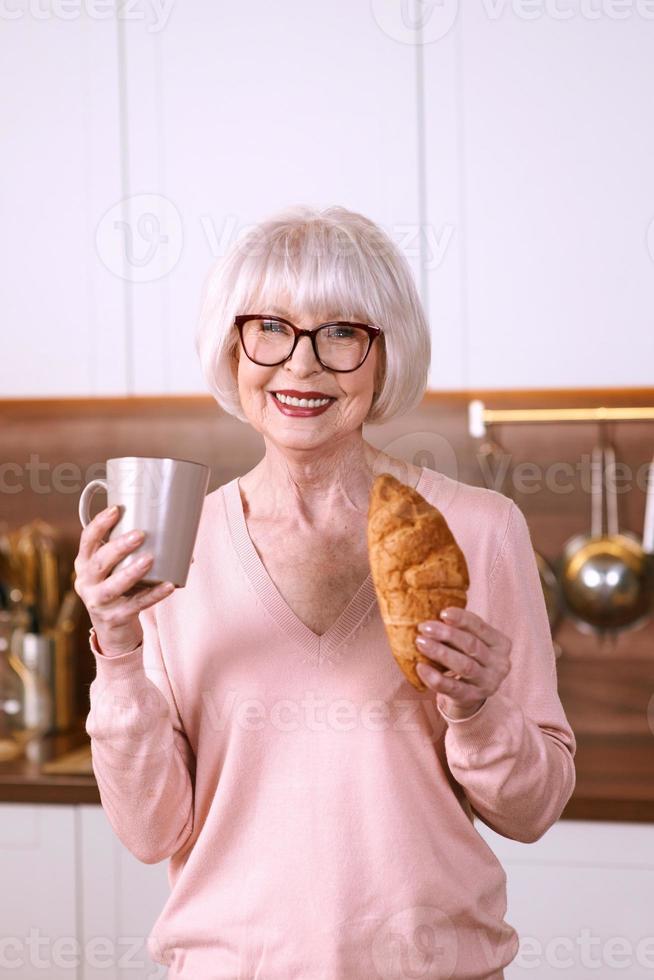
(120, 900)
(75, 904)
(504, 146)
(234, 111)
(39, 896)
(581, 899)
(438, 39)
(76, 901)
(63, 326)
(539, 150)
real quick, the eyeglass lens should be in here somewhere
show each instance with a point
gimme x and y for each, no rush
(340, 346)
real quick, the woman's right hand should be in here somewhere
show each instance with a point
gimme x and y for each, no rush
(113, 613)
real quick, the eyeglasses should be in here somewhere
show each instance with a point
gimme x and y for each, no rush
(338, 345)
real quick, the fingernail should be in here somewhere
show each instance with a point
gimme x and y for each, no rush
(135, 536)
(112, 510)
(427, 627)
(446, 614)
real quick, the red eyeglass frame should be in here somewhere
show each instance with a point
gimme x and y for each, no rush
(373, 332)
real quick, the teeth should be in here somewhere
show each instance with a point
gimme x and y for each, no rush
(301, 402)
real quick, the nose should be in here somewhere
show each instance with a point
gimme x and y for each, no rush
(304, 360)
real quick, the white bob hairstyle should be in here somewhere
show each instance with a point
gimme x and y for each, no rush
(330, 264)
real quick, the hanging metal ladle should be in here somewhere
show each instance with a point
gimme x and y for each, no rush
(605, 576)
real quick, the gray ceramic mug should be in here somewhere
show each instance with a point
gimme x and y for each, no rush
(162, 497)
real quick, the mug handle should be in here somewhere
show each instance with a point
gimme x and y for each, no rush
(88, 493)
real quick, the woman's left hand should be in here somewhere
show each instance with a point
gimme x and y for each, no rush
(477, 654)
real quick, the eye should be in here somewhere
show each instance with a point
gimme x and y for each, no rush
(343, 331)
(271, 326)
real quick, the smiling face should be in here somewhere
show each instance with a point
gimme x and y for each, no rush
(351, 393)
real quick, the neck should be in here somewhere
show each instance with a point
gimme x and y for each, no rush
(318, 488)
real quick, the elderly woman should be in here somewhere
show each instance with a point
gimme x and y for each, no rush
(317, 810)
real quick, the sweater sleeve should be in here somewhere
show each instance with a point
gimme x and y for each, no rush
(142, 760)
(514, 757)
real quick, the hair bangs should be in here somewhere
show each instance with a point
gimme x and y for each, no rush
(310, 274)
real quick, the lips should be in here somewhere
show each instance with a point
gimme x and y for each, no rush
(298, 412)
(301, 394)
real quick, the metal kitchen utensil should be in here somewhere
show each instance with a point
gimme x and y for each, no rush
(490, 448)
(648, 523)
(24, 695)
(605, 576)
(27, 562)
(64, 632)
(37, 651)
(48, 541)
(35, 548)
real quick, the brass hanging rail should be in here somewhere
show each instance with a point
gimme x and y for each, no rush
(479, 416)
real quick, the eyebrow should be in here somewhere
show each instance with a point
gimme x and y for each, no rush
(278, 311)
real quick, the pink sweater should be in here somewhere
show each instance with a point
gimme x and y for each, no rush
(318, 811)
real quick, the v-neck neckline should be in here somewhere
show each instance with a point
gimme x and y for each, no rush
(316, 646)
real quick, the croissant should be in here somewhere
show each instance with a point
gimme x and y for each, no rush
(417, 567)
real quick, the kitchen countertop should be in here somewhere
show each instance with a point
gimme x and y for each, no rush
(23, 781)
(615, 777)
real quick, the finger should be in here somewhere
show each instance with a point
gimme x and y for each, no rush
(106, 557)
(94, 531)
(461, 690)
(125, 608)
(467, 620)
(148, 596)
(462, 664)
(115, 586)
(457, 638)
